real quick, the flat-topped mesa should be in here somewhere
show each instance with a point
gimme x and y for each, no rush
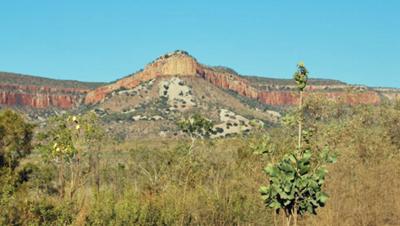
(178, 63)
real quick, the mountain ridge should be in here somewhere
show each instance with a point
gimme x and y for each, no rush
(41, 92)
(278, 92)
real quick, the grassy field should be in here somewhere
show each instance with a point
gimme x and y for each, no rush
(158, 182)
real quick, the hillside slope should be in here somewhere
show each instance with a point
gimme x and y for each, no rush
(153, 108)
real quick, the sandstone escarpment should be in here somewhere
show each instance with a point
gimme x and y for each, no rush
(180, 63)
(40, 97)
(229, 81)
(38, 92)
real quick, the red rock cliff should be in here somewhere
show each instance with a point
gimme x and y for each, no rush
(40, 97)
(180, 63)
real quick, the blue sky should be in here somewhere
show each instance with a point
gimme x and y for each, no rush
(353, 41)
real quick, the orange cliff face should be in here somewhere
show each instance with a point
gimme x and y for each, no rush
(40, 97)
(229, 81)
(180, 63)
(177, 63)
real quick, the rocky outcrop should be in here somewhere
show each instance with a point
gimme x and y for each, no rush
(229, 81)
(22, 91)
(40, 97)
(180, 63)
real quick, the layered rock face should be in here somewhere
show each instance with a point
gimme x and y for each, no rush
(176, 64)
(40, 97)
(180, 63)
(229, 81)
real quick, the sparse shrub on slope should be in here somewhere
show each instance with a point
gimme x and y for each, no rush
(197, 127)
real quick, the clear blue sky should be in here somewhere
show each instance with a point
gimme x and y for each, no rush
(353, 41)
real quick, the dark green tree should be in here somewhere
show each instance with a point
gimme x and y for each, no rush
(15, 145)
(15, 139)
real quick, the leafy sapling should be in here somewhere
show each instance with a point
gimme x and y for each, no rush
(196, 127)
(296, 181)
(68, 140)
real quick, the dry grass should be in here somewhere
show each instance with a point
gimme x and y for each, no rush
(157, 182)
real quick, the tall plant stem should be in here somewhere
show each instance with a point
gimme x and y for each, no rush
(300, 119)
